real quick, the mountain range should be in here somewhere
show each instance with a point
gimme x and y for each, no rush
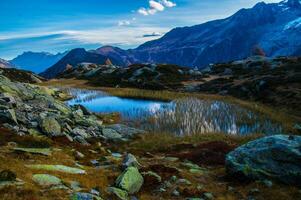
(36, 61)
(5, 64)
(73, 58)
(274, 27)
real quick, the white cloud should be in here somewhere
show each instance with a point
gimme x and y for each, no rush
(156, 5)
(168, 3)
(124, 23)
(143, 11)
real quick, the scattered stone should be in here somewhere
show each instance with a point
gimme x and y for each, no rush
(121, 194)
(176, 193)
(111, 134)
(50, 126)
(116, 155)
(95, 163)
(174, 178)
(7, 115)
(78, 155)
(59, 168)
(46, 180)
(130, 161)
(84, 196)
(7, 175)
(208, 195)
(75, 186)
(183, 181)
(42, 151)
(268, 183)
(258, 160)
(95, 191)
(130, 180)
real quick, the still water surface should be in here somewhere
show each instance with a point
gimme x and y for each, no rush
(181, 117)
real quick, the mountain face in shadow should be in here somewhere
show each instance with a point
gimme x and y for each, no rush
(36, 61)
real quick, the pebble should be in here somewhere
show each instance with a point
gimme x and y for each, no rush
(268, 183)
(208, 195)
(176, 193)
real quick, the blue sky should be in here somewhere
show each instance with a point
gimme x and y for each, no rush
(59, 25)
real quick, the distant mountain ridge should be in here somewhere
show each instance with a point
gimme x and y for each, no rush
(275, 27)
(36, 61)
(5, 64)
(73, 58)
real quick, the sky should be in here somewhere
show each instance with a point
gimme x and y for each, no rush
(59, 25)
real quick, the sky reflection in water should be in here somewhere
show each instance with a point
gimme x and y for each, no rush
(181, 117)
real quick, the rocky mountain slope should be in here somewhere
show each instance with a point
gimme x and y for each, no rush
(5, 64)
(274, 82)
(274, 27)
(73, 58)
(36, 61)
(158, 77)
(21, 75)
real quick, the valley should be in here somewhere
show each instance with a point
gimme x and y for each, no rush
(148, 100)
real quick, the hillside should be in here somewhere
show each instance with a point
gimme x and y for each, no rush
(36, 61)
(5, 64)
(73, 58)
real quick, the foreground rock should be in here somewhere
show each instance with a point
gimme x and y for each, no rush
(46, 180)
(58, 168)
(275, 157)
(130, 180)
(33, 110)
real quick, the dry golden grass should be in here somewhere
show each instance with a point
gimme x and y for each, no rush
(154, 142)
(62, 154)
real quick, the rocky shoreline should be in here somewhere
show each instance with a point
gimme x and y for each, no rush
(29, 109)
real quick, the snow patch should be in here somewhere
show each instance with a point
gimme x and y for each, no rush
(293, 24)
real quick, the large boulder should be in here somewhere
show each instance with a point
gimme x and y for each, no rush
(130, 180)
(50, 126)
(275, 157)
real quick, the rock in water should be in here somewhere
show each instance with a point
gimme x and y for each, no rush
(275, 157)
(130, 180)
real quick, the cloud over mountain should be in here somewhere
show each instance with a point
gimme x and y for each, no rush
(156, 6)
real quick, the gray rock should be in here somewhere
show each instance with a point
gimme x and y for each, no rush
(46, 180)
(84, 196)
(176, 193)
(7, 115)
(130, 161)
(125, 131)
(111, 134)
(130, 180)
(274, 157)
(208, 195)
(80, 132)
(50, 126)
